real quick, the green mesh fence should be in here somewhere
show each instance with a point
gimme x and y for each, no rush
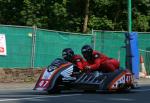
(23, 52)
(18, 45)
(52, 43)
(144, 49)
(111, 43)
(30, 47)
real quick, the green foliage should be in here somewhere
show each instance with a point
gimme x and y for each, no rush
(68, 15)
(97, 22)
(141, 23)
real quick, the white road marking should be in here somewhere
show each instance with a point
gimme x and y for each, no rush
(3, 89)
(18, 95)
(121, 99)
(4, 100)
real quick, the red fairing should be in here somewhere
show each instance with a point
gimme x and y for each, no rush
(79, 61)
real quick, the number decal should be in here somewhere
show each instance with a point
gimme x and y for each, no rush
(46, 82)
(43, 83)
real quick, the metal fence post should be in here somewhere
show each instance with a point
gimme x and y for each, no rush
(94, 39)
(33, 46)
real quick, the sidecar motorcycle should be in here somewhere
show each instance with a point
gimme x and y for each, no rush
(63, 75)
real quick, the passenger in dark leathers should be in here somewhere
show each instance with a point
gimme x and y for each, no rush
(68, 55)
(98, 61)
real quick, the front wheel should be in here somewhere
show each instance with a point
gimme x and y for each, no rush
(56, 89)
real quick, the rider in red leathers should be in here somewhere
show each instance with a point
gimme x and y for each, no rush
(68, 55)
(98, 61)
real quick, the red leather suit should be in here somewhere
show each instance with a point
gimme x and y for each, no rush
(79, 61)
(101, 62)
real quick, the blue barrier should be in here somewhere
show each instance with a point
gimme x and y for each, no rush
(132, 53)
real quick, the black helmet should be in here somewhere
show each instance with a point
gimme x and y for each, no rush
(67, 54)
(87, 51)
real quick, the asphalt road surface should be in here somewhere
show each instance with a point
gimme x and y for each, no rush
(27, 95)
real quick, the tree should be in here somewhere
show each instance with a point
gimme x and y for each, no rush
(76, 15)
(10, 11)
(141, 15)
(86, 15)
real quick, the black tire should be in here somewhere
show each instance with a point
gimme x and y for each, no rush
(124, 88)
(89, 91)
(56, 89)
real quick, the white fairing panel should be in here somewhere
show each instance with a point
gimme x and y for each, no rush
(47, 74)
(67, 72)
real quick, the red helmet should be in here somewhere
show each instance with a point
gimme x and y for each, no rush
(67, 54)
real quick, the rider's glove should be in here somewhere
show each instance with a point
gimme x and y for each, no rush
(87, 68)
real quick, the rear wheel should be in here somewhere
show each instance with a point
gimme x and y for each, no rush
(124, 88)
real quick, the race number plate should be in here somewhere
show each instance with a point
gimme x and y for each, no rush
(43, 82)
